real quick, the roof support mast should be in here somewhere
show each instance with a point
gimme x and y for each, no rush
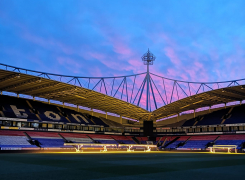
(148, 59)
(147, 92)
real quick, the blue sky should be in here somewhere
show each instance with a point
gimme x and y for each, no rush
(193, 40)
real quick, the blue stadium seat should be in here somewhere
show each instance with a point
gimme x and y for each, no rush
(213, 118)
(48, 142)
(53, 113)
(199, 144)
(237, 115)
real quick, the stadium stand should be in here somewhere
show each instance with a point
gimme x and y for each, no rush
(231, 115)
(14, 141)
(142, 140)
(237, 115)
(10, 109)
(199, 142)
(190, 122)
(13, 107)
(77, 138)
(104, 139)
(18, 139)
(123, 139)
(23, 114)
(179, 141)
(213, 118)
(47, 140)
(170, 140)
(98, 121)
(11, 139)
(204, 141)
(231, 140)
(111, 123)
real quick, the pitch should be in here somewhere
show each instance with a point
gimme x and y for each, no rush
(111, 166)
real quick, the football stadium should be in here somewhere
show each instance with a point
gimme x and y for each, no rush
(55, 120)
(121, 90)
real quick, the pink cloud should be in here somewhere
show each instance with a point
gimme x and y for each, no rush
(70, 64)
(121, 48)
(47, 43)
(96, 71)
(170, 53)
(96, 55)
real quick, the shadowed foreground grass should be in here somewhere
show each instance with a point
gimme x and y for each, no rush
(122, 166)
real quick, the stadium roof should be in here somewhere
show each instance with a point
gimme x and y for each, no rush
(35, 86)
(54, 90)
(209, 98)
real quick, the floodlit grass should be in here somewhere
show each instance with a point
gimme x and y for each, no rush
(126, 166)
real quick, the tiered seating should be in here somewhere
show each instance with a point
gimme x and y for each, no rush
(123, 139)
(9, 114)
(199, 142)
(142, 140)
(169, 138)
(42, 108)
(104, 139)
(175, 143)
(49, 143)
(231, 140)
(213, 118)
(98, 121)
(111, 123)
(237, 115)
(83, 118)
(13, 139)
(7, 101)
(77, 138)
(47, 139)
(11, 133)
(34, 110)
(190, 122)
(208, 119)
(34, 134)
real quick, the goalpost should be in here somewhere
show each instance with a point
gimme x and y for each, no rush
(228, 147)
(130, 146)
(79, 146)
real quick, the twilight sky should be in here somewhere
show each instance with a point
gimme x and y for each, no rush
(193, 40)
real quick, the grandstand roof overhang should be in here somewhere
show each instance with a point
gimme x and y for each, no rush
(21, 83)
(206, 99)
(36, 86)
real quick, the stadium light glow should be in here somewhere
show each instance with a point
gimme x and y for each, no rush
(185, 106)
(78, 146)
(80, 97)
(198, 102)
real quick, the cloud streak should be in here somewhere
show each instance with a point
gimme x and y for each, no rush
(192, 41)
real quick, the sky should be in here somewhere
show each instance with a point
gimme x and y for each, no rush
(192, 40)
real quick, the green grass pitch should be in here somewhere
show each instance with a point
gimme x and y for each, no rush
(123, 166)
